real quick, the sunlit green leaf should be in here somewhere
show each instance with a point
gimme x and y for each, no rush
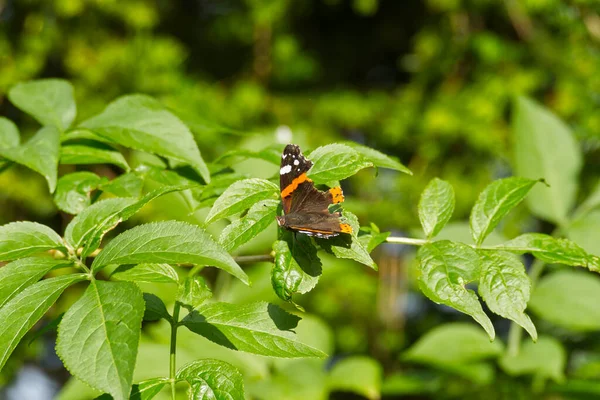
(92, 153)
(20, 274)
(494, 202)
(50, 101)
(213, 379)
(348, 245)
(445, 268)
(378, 158)
(98, 336)
(73, 191)
(258, 218)
(270, 154)
(126, 185)
(551, 250)
(544, 147)
(142, 123)
(159, 273)
(568, 299)
(240, 196)
(9, 133)
(505, 286)
(193, 291)
(358, 374)
(171, 242)
(40, 154)
(20, 239)
(88, 228)
(258, 328)
(335, 162)
(436, 206)
(25, 309)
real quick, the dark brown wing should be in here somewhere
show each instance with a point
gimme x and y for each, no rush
(293, 165)
(317, 224)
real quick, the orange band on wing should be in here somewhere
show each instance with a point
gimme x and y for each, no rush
(294, 185)
(337, 195)
(345, 228)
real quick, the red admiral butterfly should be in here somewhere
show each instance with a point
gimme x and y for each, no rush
(305, 208)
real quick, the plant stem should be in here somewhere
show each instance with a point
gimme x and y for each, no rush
(173, 351)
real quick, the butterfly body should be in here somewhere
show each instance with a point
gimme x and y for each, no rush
(305, 208)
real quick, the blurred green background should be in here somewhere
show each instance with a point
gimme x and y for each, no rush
(430, 82)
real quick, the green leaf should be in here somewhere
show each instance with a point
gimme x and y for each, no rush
(446, 267)
(436, 206)
(146, 390)
(568, 299)
(453, 343)
(73, 191)
(496, 200)
(98, 336)
(24, 310)
(240, 196)
(590, 203)
(50, 101)
(40, 154)
(537, 134)
(142, 123)
(379, 159)
(270, 154)
(92, 153)
(88, 228)
(585, 231)
(95, 220)
(20, 274)
(126, 185)
(335, 162)
(258, 218)
(258, 328)
(371, 237)
(348, 246)
(297, 271)
(505, 286)
(20, 239)
(9, 133)
(213, 379)
(171, 242)
(159, 273)
(544, 359)
(358, 374)
(155, 308)
(193, 292)
(551, 250)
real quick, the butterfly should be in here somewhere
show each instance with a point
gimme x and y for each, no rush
(306, 208)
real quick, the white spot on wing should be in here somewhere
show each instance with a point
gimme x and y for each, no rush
(296, 162)
(285, 169)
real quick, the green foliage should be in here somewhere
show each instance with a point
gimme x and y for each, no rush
(436, 206)
(98, 337)
(152, 170)
(213, 379)
(50, 101)
(142, 123)
(20, 239)
(538, 134)
(40, 153)
(240, 196)
(445, 269)
(257, 328)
